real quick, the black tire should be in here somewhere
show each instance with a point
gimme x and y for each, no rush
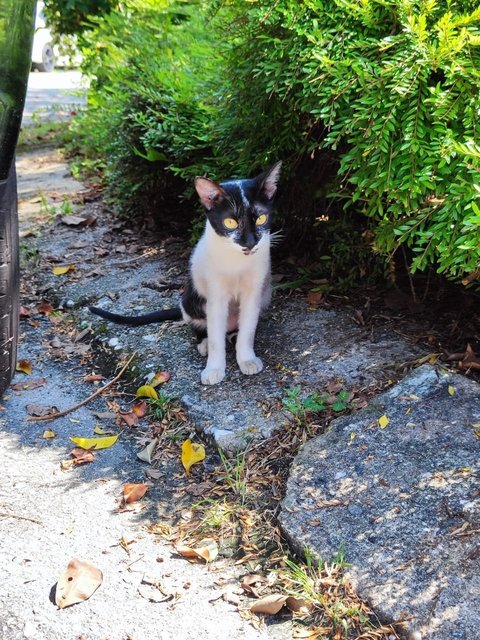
(9, 278)
(48, 59)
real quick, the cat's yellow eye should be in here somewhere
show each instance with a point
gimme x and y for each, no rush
(230, 223)
(261, 219)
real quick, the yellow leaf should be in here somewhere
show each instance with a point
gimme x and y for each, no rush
(146, 391)
(451, 390)
(476, 429)
(191, 453)
(99, 431)
(383, 422)
(60, 271)
(49, 434)
(95, 443)
(24, 366)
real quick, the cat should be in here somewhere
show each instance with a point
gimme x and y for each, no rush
(229, 278)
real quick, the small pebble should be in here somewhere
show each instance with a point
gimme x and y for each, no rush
(69, 304)
(114, 343)
(150, 337)
(355, 510)
(340, 475)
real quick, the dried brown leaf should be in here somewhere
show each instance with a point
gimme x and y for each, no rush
(82, 456)
(77, 583)
(130, 418)
(270, 604)
(134, 492)
(314, 298)
(31, 384)
(93, 377)
(40, 410)
(140, 408)
(207, 550)
(45, 308)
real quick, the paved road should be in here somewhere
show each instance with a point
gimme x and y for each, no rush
(53, 96)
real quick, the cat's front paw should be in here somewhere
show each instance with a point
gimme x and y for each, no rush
(250, 367)
(212, 376)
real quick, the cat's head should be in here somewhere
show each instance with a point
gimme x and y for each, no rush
(241, 210)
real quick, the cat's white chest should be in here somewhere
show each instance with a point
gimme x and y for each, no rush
(221, 269)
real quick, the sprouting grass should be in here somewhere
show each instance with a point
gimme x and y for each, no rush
(301, 406)
(234, 476)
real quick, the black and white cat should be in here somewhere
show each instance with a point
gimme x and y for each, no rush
(229, 279)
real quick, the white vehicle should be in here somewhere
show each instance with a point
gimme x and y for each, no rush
(43, 56)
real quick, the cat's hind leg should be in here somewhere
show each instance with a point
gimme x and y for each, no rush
(202, 341)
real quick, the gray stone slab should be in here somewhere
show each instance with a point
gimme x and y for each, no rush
(402, 502)
(299, 347)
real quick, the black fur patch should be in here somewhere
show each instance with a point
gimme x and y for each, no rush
(192, 302)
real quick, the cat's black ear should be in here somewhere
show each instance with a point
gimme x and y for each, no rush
(210, 192)
(269, 180)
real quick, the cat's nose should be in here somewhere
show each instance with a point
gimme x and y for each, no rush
(250, 242)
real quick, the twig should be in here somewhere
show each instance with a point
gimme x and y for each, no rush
(98, 392)
(14, 515)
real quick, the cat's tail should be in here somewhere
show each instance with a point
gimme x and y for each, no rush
(135, 321)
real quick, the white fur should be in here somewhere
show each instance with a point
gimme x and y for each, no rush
(237, 288)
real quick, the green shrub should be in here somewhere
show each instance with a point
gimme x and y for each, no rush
(373, 105)
(73, 16)
(147, 113)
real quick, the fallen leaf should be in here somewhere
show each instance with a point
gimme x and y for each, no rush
(146, 454)
(82, 456)
(140, 408)
(160, 378)
(315, 298)
(49, 434)
(45, 308)
(134, 492)
(93, 377)
(60, 271)
(470, 361)
(297, 605)
(253, 584)
(95, 443)
(383, 421)
(270, 604)
(146, 391)
(40, 410)
(24, 366)
(77, 583)
(130, 418)
(31, 384)
(99, 431)
(451, 390)
(231, 597)
(191, 454)
(153, 474)
(199, 489)
(24, 312)
(79, 221)
(207, 550)
(104, 415)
